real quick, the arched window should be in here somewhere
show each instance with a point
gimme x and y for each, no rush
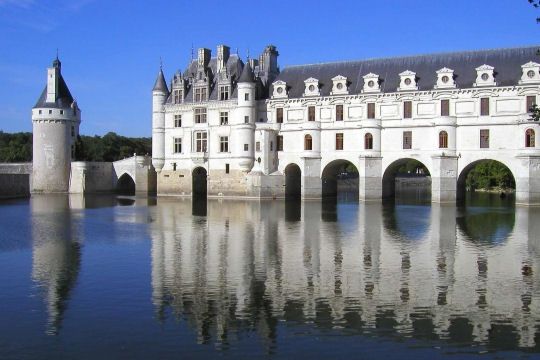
(368, 141)
(308, 145)
(529, 138)
(443, 140)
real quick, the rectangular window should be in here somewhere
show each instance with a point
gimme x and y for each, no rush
(224, 93)
(61, 112)
(445, 107)
(200, 94)
(407, 109)
(40, 112)
(200, 115)
(339, 112)
(339, 141)
(371, 110)
(531, 101)
(258, 146)
(279, 115)
(177, 145)
(484, 138)
(311, 113)
(200, 141)
(407, 140)
(223, 144)
(279, 143)
(226, 168)
(246, 119)
(223, 118)
(50, 112)
(271, 146)
(177, 96)
(73, 131)
(246, 96)
(246, 147)
(484, 106)
(177, 121)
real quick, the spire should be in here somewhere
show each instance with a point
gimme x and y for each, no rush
(247, 74)
(56, 63)
(161, 84)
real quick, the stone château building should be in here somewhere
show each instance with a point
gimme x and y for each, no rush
(229, 128)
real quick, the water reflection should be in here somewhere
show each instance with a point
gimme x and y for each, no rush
(397, 272)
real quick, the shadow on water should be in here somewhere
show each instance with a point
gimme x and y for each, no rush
(199, 206)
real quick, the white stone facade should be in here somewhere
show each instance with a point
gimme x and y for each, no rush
(447, 117)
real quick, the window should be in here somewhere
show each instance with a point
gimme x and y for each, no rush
(484, 138)
(73, 131)
(529, 138)
(339, 112)
(311, 113)
(279, 143)
(174, 166)
(40, 112)
(61, 112)
(246, 147)
(443, 140)
(484, 106)
(407, 109)
(200, 141)
(531, 101)
(226, 168)
(445, 107)
(200, 94)
(368, 141)
(258, 146)
(371, 110)
(223, 118)
(177, 96)
(246, 119)
(177, 145)
(339, 141)
(223, 144)
(308, 144)
(246, 96)
(271, 146)
(224, 93)
(407, 139)
(200, 115)
(279, 115)
(177, 121)
(50, 112)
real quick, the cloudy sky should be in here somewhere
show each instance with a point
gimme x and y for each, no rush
(110, 49)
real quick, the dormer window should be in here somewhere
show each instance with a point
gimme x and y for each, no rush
(280, 89)
(200, 94)
(339, 85)
(485, 76)
(371, 83)
(224, 92)
(531, 73)
(408, 81)
(445, 79)
(312, 87)
(178, 96)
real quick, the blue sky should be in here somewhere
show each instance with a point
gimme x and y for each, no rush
(110, 49)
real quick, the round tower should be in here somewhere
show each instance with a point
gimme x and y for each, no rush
(55, 122)
(245, 119)
(160, 93)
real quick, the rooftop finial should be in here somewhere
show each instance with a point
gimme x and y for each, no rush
(56, 53)
(192, 55)
(248, 54)
(160, 63)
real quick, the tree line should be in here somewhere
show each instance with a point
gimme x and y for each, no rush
(17, 147)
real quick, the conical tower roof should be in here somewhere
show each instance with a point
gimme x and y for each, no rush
(247, 74)
(161, 84)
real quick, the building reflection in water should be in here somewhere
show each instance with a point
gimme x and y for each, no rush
(428, 272)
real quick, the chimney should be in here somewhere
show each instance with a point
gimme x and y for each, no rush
(223, 52)
(203, 57)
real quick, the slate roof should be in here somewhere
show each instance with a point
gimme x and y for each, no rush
(234, 68)
(507, 63)
(63, 98)
(247, 74)
(161, 84)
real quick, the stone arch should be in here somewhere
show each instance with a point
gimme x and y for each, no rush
(126, 185)
(461, 189)
(418, 169)
(338, 175)
(199, 182)
(293, 181)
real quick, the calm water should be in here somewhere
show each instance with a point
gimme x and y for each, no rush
(106, 277)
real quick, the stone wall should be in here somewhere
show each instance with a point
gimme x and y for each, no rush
(15, 180)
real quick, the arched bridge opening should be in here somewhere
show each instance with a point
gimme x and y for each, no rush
(125, 185)
(408, 180)
(199, 182)
(340, 180)
(488, 177)
(293, 182)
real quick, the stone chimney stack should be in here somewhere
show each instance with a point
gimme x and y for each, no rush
(223, 53)
(203, 58)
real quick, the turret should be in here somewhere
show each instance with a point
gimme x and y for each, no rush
(160, 93)
(55, 121)
(246, 113)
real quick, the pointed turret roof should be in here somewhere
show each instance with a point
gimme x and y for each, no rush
(63, 95)
(247, 74)
(161, 84)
